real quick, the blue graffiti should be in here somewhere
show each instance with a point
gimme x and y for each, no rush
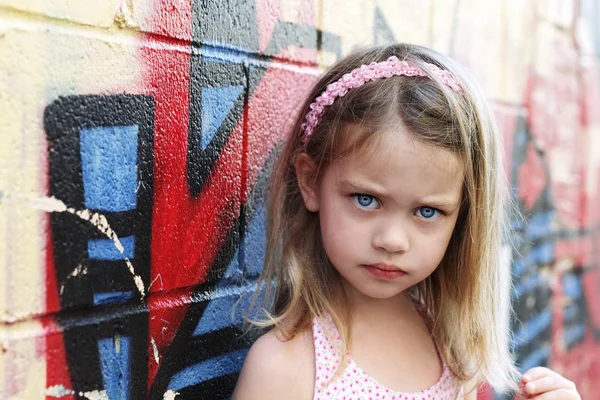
(225, 364)
(533, 327)
(217, 103)
(231, 300)
(114, 363)
(536, 358)
(109, 166)
(105, 249)
(112, 298)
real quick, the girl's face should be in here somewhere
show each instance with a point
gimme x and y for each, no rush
(387, 217)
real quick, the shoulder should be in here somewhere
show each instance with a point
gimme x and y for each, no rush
(275, 368)
(470, 390)
(470, 394)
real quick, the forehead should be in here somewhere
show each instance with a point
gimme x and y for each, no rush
(399, 163)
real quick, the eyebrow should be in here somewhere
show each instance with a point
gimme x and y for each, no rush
(360, 187)
(435, 201)
(441, 202)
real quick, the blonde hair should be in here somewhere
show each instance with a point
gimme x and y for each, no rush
(462, 297)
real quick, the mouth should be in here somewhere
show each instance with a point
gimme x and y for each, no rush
(385, 271)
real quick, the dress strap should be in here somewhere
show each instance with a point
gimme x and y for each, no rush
(327, 358)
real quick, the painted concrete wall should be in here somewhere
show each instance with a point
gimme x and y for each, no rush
(135, 140)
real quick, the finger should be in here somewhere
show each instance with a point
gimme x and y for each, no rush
(520, 392)
(560, 394)
(536, 373)
(546, 384)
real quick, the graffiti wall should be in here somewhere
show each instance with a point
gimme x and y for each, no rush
(137, 138)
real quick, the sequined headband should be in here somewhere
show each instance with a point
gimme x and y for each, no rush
(366, 73)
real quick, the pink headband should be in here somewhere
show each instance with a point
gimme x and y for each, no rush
(366, 73)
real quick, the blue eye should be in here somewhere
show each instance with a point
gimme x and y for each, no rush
(428, 212)
(365, 201)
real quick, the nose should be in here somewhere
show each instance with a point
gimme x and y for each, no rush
(391, 236)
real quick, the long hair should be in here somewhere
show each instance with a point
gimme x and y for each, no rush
(463, 297)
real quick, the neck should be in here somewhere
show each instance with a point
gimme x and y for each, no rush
(368, 309)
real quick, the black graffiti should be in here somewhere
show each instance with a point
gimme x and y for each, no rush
(205, 74)
(64, 121)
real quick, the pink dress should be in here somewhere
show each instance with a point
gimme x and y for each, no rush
(354, 383)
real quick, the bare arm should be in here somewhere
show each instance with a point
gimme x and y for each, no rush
(276, 370)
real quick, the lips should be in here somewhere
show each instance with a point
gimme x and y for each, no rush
(385, 271)
(385, 267)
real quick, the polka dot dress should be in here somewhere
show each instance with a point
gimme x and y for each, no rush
(354, 383)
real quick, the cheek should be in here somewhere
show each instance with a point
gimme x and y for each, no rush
(341, 230)
(334, 226)
(432, 249)
(332, 214)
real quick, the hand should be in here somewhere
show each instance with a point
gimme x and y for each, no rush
(544, 384)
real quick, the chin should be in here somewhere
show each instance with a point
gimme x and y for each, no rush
(377, 292)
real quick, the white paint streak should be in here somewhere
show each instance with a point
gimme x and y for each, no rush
(170, 395)
(59, 391)
(52, 204)
(117, 344)
(154, 280)
(49, 204)
(224, 292)
(95, 395)
(80, 270)
(155, 351)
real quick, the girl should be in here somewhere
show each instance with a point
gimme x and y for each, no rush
(385, 225)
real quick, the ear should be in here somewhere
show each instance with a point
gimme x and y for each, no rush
(305, 173)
